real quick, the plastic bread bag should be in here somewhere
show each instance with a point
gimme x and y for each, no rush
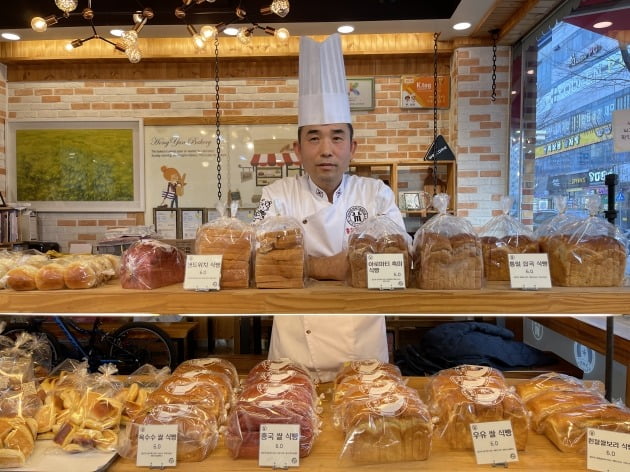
(447, 251)
(272, 366)
(468, 394)
(232, 239)
(243, 433)
(550, 226)
(87, 271)
(212, 364)
(19, 441)
(555, 381)
(501, 236)
(588, 253)
(376, 235)
(35, 348)
(197, 432)
(392, 427)
(149, 264)
(280, 256)
(567, 430)
(218, 379)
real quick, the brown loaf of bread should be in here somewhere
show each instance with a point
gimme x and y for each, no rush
(197, 433)
(460, 400)
(567, 429)
(552, 401)
(149, 264)
(444, 263)
(280, 259)
(496, 253)
(211, 364)
(528, 389)
(597, 261)
(361, 244)
(365, 367)
(235, 245)
(389, 426)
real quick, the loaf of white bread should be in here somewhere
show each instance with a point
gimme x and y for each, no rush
(563, 408)
(496, 252)
(361, 244)
(444, 263)
(279, 258)
(234, 243)
(469, 394)
(149, 264)
(595, 261)
(382, 419)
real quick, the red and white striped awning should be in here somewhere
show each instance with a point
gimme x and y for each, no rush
(275, 159)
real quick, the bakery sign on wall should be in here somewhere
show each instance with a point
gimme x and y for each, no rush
(417, 91)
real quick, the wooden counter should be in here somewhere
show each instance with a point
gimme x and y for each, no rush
(321, 297)
(540, 455)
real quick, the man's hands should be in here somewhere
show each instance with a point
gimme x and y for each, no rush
(328, 268)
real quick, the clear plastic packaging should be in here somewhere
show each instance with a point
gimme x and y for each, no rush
(465, 395)
(212, 364)
(279, 253)
(197, 432)
(149, 264)
(547, 381)
(232, 239)
(587, 253)
(501, 236)
(376, 235)
(550, 226)
(365, 367)
(447, 252)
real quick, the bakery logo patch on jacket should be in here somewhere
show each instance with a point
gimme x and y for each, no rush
(356, 215)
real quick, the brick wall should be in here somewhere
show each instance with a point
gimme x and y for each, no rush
(474, 127)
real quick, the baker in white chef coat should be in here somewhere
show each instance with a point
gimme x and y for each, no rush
(328, 203)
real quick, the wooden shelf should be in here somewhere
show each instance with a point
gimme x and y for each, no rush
(495, 298)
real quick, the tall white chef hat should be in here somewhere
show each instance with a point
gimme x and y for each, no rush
(323, 93)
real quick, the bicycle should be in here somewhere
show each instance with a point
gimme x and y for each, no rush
(127, 347)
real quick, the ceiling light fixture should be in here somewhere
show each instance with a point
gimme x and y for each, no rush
(602, 24)
(461, 26)
(129, 39)
(11, 36)
(243, 33)
(345, 29)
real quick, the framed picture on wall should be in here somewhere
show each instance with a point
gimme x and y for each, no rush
(79, 165)
(191, 219)
(361, 93)
(266, 175)
(417, 91)
(166, 222)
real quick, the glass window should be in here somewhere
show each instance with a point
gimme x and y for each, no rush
(568, 80)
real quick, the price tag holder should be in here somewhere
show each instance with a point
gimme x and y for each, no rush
(494, 442)
(607, 450)
(529, 271)
(279, 446)
(385, 271)
(203, 272)
(157, 446)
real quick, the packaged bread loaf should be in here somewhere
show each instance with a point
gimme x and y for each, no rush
(551, 225)
(587, 253)
(197, 432)
(265, 400)
(447, 252)
(501, 236)
(233, 240)
(149, 264)
(465, 395)
(279, 253)
(376, 235)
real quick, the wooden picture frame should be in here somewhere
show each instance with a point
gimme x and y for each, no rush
(167, 223)
(81, 165)
(190, 219)
(361, 93)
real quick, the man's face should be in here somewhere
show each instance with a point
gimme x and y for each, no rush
(325, 152)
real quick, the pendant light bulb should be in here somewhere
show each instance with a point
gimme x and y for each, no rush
(282, 35)
(66, 6)
(129, 38)
(280, 7)
(208, 32)
(133, 54)
(244, 35)
(40, 24)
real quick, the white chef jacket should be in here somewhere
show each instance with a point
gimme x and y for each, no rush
(323, 342)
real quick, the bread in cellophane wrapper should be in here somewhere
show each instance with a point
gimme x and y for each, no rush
(365, 367)
(530, 388)
(137, 387)
(17, 440)
(587, 253)
(149, 264)
(467, 394)
(447, 251)
(197, 431)
(385, 422)
(232, 239)
(377, 235)
(280, 257)
(501, 236)
(92, 412)
(551, 225)
(273, 396)
(212, 364)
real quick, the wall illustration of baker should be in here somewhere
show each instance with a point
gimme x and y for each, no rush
(175, 183)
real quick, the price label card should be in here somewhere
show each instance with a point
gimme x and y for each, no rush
(494, 442)
(607, 450)
(203, 272)
(157, 446)
(385, 271)
(529, 271)
(279, 446)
